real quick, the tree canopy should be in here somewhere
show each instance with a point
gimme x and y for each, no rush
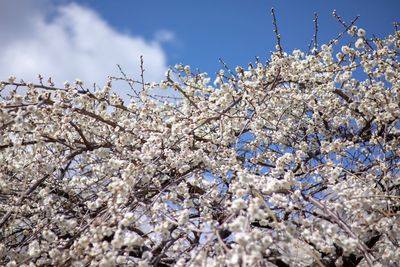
(289, 162)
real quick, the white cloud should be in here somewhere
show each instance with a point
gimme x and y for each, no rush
(165, 36)
(73, 42)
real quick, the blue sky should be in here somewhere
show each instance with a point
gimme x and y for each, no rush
(87, 38)
(239, 30)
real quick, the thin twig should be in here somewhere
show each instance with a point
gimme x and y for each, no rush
(347, 27)
(38, 86)
(309, 47)
(222, 243)
(278, 36)
(339, 18)
(227, 68)
(129, 81)
(315, 33)
(142, 70)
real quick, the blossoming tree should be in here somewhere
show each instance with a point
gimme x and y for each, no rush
(292, 162)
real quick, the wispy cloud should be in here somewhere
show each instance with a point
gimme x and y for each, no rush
(165, 36)
(71, 41)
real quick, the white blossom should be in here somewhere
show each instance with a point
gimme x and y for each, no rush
(34, 249)
(361, 32)
(11, 79)
(359, 43)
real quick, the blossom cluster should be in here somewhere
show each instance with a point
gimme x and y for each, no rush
(292, 162)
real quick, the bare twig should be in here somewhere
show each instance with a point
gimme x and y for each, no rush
(39, 86)
(315, 33)
(309, 46)
(339, 18)
(129, 81)
(227, 68)
(222, 243)
(278, 36)
(347, 27)
(142, 70)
